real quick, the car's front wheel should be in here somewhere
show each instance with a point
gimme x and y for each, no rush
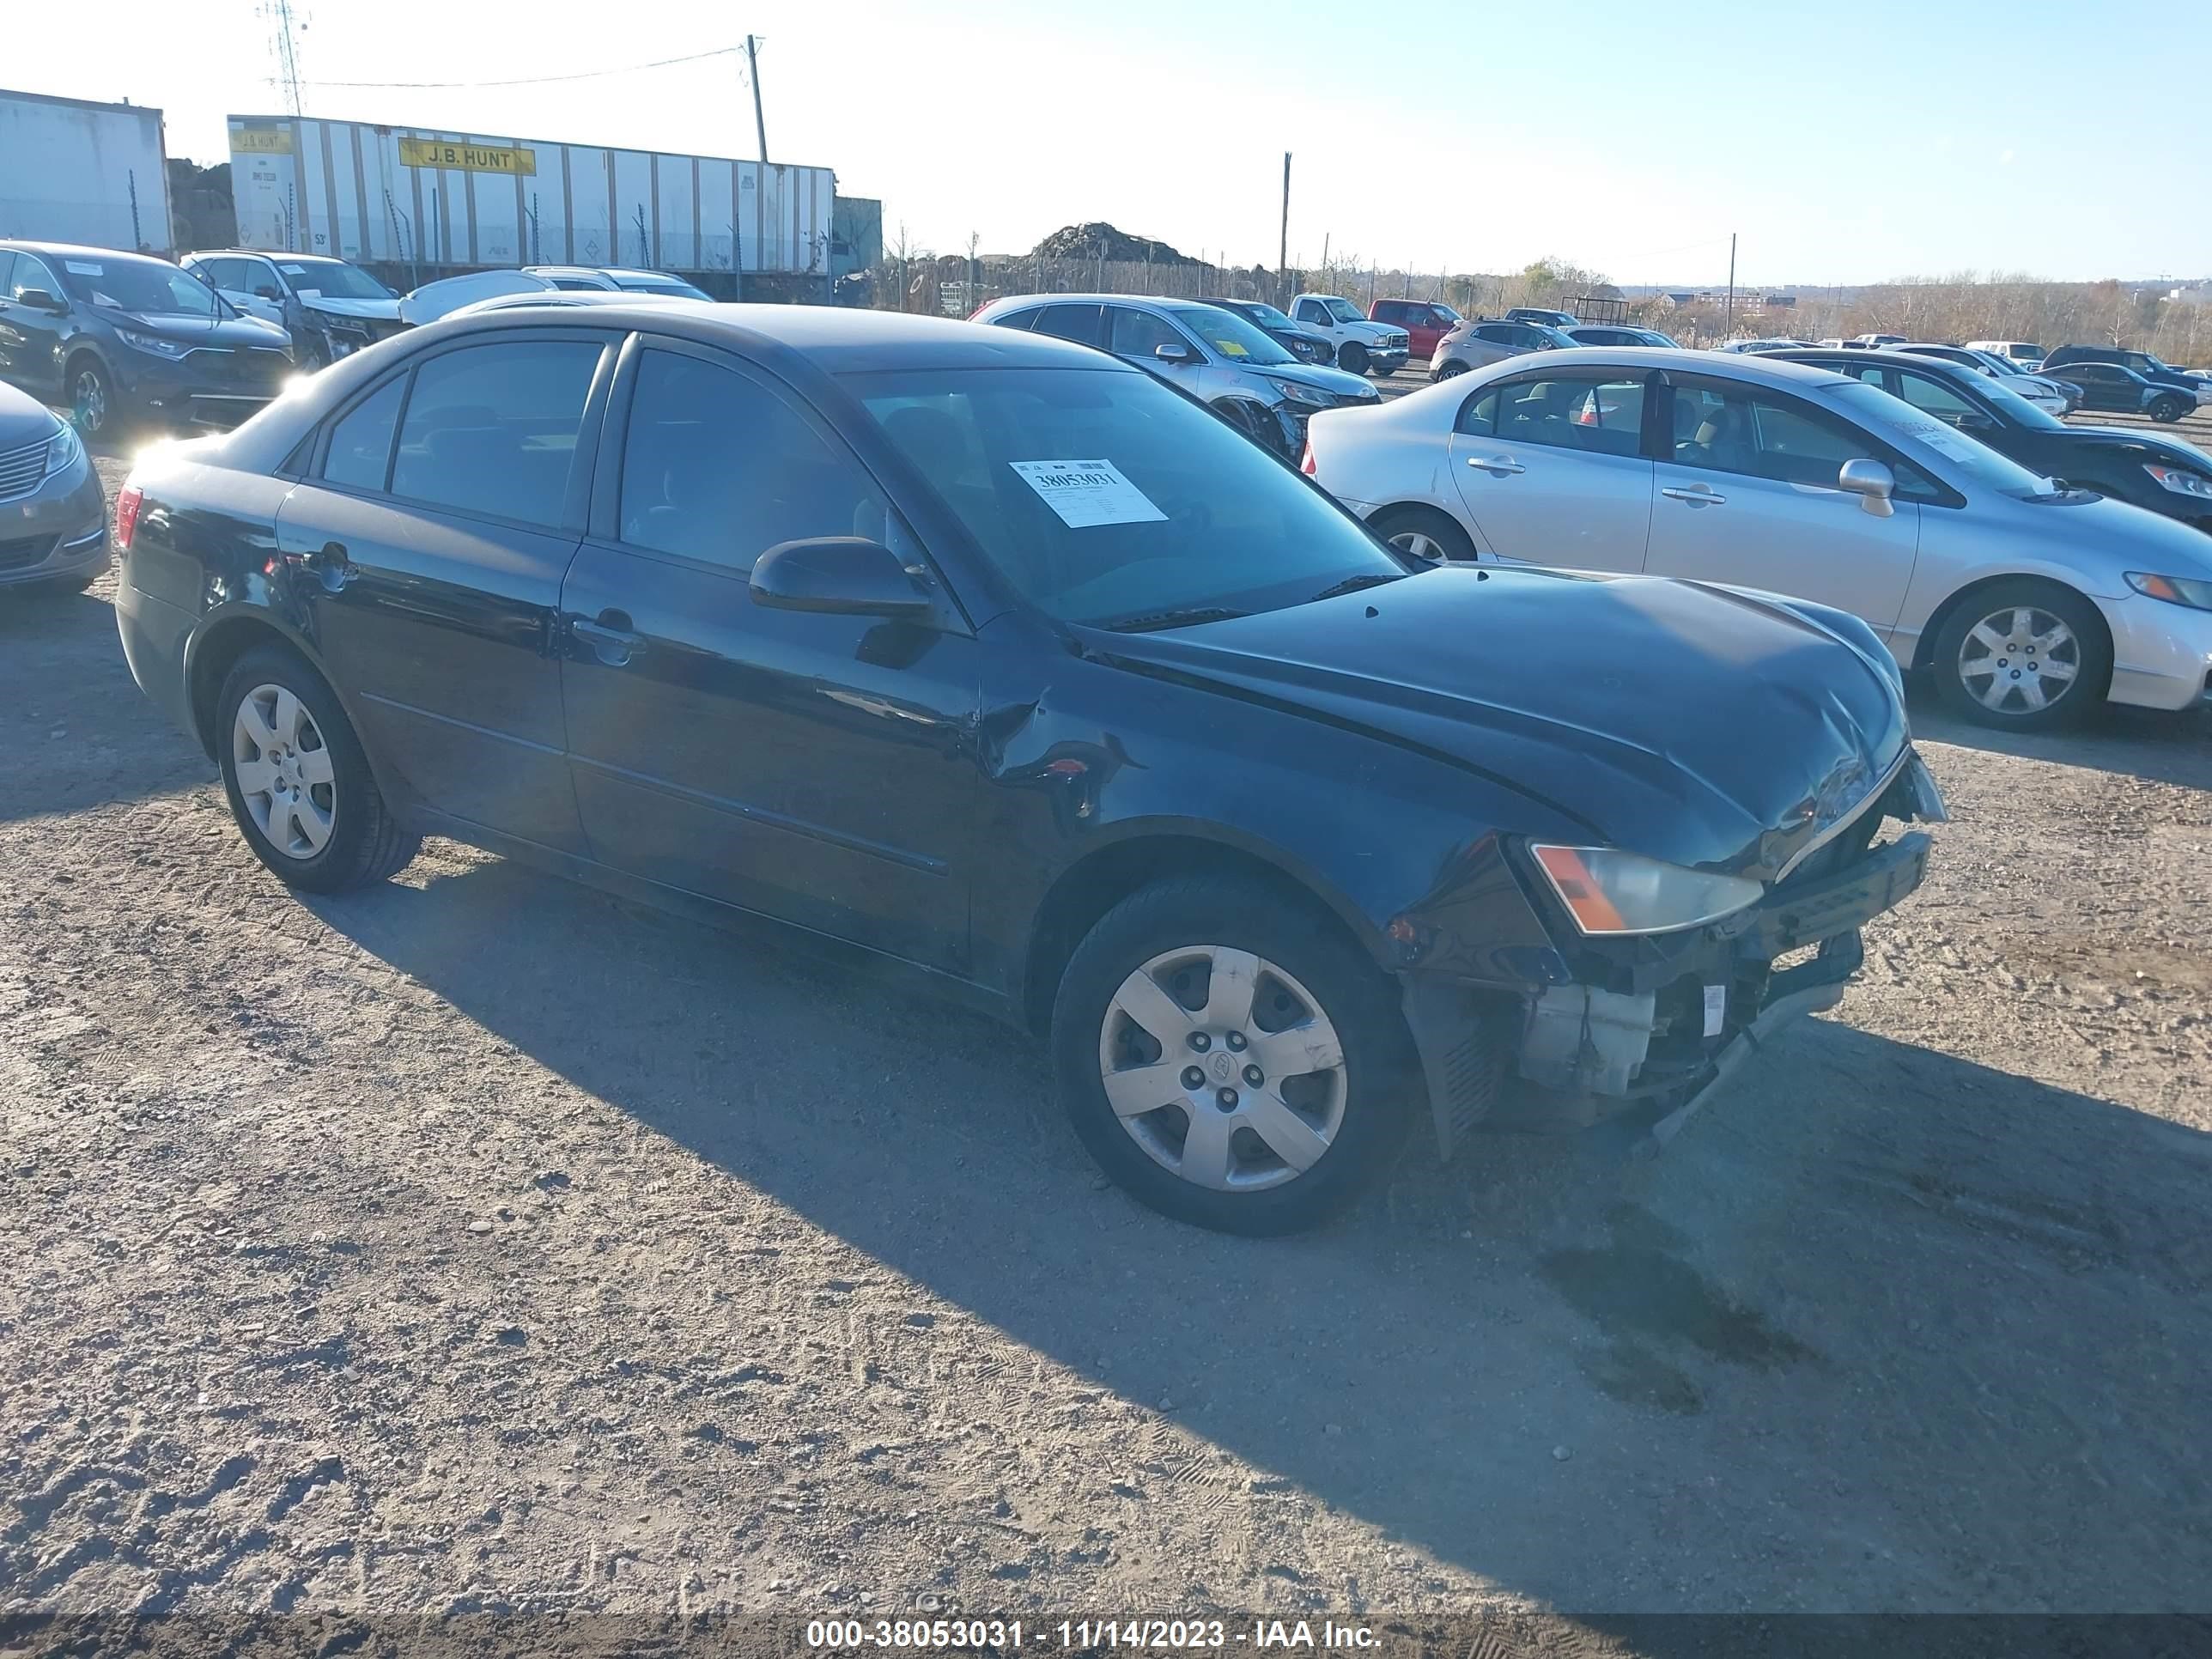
(299, 784)
(1230, 1057)
(93, 410)
(2023, 655)
(1351, 358)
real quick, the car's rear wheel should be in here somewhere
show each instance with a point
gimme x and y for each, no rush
(2023, 655)
(298, 782)
(1446, 369)
(1230, 1057)
(1423, 533)
(1351, 358)
(2170, 410)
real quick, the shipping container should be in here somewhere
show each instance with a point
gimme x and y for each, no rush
(77, 172)
(425, 203)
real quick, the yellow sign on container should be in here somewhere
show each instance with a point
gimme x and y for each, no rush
(261, 140)
(465, 158)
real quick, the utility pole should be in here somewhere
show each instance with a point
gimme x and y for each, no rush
(1731, 292)
(1283, 255)
(752, 74)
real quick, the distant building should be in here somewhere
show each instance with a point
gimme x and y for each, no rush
(1784, 301)
(2194, 294)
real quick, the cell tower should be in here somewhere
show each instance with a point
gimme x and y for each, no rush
(284, 26)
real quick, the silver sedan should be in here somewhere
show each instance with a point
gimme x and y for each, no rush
(2030, 602)
(53, 515)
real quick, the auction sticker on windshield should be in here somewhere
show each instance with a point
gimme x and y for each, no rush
(1087, 493)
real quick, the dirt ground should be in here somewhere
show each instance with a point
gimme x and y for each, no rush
(479, 1242)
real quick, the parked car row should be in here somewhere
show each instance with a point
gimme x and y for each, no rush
(996, 656)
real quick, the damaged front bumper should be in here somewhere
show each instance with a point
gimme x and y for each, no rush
(1667, 1026)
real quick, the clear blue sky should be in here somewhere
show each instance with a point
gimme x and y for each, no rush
(1843, 142)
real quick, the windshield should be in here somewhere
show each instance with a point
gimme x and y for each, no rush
(146, 286)
(1106, 499)
(1445, 314)
(660, 285)
(2017, 409)
(1261, 312)
(1343, 310)
(1652, 336)
(334, 281)
(1230, 335)
(1971, 461)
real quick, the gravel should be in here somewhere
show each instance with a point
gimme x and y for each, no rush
(480, 1241)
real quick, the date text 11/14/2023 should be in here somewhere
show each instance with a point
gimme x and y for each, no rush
(1163, 1635)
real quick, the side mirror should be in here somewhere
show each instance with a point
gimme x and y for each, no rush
(37, 298)
(1172, 352)
(1872, 482)
(265, 292)
(841, 575)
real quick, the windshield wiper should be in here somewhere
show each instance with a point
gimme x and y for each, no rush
(1354, 584)
(1189, 616)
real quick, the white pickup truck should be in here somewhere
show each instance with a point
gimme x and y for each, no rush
(1362, 347)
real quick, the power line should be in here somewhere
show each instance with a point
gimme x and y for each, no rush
(532, 80)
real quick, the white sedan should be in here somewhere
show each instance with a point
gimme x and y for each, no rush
(2030, 602)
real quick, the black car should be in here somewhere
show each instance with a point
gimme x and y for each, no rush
(1307, 345)
(2177, 387)
(2126, 462)
(994, 657)
(120, 340)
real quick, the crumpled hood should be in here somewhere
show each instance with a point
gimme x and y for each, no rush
(374, 311)
(1700, 725)
(1337, 382)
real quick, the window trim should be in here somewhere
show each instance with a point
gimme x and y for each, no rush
(1660, 435)
(603, 526)
(576, 500)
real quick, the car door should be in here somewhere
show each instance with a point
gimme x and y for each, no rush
(1748, 496)
(812, 767)
(30, 336)
(1136, 336)
(1551, 471)
(428, 541)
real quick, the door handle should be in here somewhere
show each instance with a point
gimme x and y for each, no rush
(1697, 495)
(1497, 466)
(331, 565)
(609, 637)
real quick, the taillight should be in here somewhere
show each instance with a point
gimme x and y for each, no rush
(1306, 462)
(127, 502)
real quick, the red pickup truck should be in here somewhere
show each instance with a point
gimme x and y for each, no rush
(1425, 321)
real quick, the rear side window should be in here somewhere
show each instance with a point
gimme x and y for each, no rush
(1597, 416)
(360, 444)
(1496, 333)
(1026, 318)
(1078, 323)
(492, 428)
(716, 467)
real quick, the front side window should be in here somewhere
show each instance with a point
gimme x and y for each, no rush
(360, 453)
(30, 273)
(716, 467)
(1106, 499)
(492, 428)
(1310, 311)
(1728, 428)
(1140, 333)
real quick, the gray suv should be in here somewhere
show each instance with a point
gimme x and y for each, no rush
(1214, 355)
(1479, 341)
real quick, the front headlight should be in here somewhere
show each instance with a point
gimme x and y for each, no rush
(1607, 890)
(153, 343)
(2180, 481)
(2193, 592)
(62, 451)
(1302, 394)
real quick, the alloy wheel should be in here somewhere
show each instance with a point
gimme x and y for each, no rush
(1223, 1067)
(1420, 545)
(88, 402)
(284, 771)
(2019, 660)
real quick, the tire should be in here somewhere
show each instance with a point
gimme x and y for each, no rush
(1408, 528)
(2167, 410)
(2004, 624)
(323, 774)
(90, 392)
(1348, 1117)
(1446, 369)
(1351, 358)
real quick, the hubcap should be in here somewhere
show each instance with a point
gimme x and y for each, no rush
(1420, 546)
(284, 772)
(89, 400)
(1223, 1067)
(2019, 660)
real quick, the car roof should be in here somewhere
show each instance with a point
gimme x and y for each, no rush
(262, 253)
(1904, 359)
(1744, 366)
(1156, 300)
(834, 339)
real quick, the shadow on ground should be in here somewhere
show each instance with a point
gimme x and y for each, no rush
(1890, 1329)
